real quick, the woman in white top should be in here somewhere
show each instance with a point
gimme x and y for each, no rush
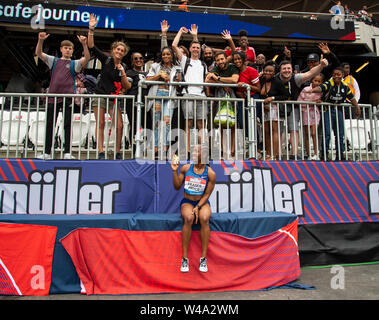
(164, 70)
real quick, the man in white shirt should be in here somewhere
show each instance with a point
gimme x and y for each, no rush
(194, 71)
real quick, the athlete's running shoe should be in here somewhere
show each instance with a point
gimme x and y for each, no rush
(203, 265)
(184, 266)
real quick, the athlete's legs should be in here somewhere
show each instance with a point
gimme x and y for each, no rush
(188, 218)
(204, 216)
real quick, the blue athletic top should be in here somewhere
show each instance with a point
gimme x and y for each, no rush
(195, 184)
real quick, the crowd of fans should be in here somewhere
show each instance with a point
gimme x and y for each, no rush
(324, 80)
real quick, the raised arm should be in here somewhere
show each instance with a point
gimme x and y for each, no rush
(314, 71)
(164, 29)
(175, 43)
(225, 34)
(92, 25)
(193, 31)
(178, 179)
(330, 56)
(86, 57)
(42, 36)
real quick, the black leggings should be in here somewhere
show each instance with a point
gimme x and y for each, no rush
(51, 119)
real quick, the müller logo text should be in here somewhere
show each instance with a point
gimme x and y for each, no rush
(59, 192)
(254, 191)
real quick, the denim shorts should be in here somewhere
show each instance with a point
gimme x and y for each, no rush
(165, 110)
(103, 102)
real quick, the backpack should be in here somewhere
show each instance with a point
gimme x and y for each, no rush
(225, 116)
(179, 89)
(72, 68)
(90, 83)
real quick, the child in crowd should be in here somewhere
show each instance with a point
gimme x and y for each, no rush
(63, 74)
(80, 89)
(335, 92)
(311, 114)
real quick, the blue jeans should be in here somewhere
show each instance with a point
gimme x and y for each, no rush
(161, 129)
(334, 120)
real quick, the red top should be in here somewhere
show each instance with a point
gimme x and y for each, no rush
(250, 53)
(250, 76)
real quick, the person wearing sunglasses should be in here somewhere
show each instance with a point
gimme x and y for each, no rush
(135, 75)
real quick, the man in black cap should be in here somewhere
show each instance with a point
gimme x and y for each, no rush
(313, 60)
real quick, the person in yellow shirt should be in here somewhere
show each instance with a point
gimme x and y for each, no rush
(351, 81)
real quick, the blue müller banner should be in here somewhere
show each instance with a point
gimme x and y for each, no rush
(40, 15)
(316, 192)
(76, 187)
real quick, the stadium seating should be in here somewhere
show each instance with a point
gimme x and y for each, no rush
(357, 133)
(37, 128)
(79, 129)
(14, 127)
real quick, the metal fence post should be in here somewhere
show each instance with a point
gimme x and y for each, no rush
(375, 133)
(138, 137)
(251, 124)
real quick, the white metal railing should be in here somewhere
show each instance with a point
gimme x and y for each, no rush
(337, 136)
(223, 139)
(24, 119)
(23, 128)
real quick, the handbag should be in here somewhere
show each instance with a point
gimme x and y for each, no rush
(225, 116)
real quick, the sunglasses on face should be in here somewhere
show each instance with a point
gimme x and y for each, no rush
(137, 58)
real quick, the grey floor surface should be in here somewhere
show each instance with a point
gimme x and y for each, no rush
(350, 282)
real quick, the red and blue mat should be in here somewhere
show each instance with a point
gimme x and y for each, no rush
(137, 262)
(140, 253)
